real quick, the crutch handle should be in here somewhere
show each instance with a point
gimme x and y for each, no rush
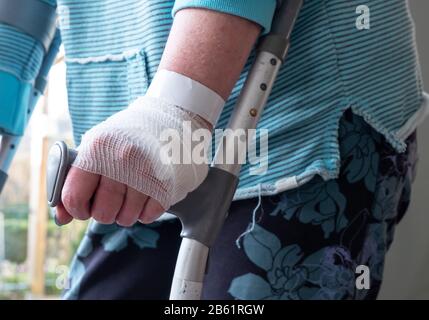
(219, 184)
(60, 160)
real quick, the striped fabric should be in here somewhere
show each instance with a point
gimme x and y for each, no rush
(20, 54)
(113, 49)
(256, 10)
(50, 2)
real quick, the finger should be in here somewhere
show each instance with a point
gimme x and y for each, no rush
(78, 190)
(108, 200)
(151, 211)
(131, 208)
(62, 217)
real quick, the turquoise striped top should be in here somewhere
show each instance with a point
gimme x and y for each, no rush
(113, 49)
(331, 66)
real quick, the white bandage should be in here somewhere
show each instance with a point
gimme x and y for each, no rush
(189, 94)
(127, 148)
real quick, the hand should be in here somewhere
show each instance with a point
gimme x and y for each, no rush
(118, 175)
(86, 195)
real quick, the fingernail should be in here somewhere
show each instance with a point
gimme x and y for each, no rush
(56, 221)
(144, 220)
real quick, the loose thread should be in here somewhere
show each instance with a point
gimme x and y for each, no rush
(252, 225)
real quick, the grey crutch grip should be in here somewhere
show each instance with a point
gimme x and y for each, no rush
(60, 160)
(204, 210)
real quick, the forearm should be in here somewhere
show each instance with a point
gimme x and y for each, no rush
(209, 47)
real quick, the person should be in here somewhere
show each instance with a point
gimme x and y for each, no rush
(342, 145)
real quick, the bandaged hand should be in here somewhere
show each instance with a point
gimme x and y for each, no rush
(124, 173)
(118, 175)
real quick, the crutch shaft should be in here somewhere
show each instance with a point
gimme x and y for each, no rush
(248, 109)
(189, 272)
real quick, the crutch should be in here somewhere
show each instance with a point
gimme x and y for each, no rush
(36, 19)
(203, 212)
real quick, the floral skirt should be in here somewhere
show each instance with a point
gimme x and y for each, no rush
(323, 240)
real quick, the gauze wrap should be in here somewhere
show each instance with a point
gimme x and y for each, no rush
(126, 148)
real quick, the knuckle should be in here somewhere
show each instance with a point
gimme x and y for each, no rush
(74, 205)
(102, 216)
(69, 200)
(125, 222)
(111, 189)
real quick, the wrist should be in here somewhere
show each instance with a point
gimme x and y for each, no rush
(188, 94)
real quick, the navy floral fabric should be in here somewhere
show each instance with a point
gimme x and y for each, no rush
(306, 243)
